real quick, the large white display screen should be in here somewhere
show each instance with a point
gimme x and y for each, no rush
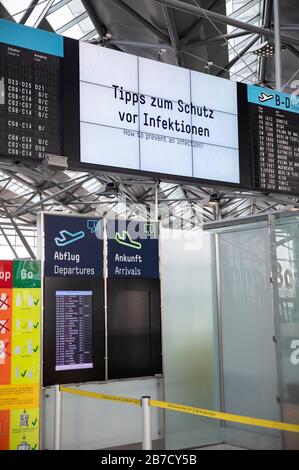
(144, 115)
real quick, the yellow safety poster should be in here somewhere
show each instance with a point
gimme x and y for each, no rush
(20, 314)
(25, 363)
(24, 429)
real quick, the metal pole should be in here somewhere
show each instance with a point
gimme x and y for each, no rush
(146, 412)
(268, 8)
(277, 41)
(219, 320)
(157, 202)
(105, 245)
(57, 424)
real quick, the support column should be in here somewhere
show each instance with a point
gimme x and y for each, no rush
(146, 413)
(277, 42)
(57, 424)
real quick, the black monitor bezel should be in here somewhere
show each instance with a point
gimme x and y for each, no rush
(97, 372)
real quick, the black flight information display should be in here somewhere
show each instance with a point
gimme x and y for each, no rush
(275, 140)
(30, 110)
(73, 330)
(30, 92)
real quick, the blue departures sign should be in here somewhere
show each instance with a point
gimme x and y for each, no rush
(73, 246)
(133, 249)
(31, 38)
(273, 99)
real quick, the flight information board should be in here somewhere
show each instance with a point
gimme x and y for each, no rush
(73, 330)
(30, 116)
(274, 137)
(276, 149)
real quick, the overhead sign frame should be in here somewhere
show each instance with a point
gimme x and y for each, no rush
(71, 146)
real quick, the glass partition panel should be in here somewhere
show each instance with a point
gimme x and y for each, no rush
(250, 385)
(286, 299)
(190, 341)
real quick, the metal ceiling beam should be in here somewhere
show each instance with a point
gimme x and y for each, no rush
(23, 240)
(289, 27)
(220, 38)
(4, 13)
(42, 191)
(28, 11)
(53, 197)
(18, 231)
(58, 5)
(218, 18)
(145, 45)
(8, 242)
(293, 50)
(173, 33)
(21, 219)
(89, 35)
(185, 40)
(7, 16)
(154, 29)
(239, 56)
(244, 8)
(99, 26)
(72, 23)
(42, 15)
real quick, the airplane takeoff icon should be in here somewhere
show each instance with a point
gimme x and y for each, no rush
(265, 97)
(66, 238)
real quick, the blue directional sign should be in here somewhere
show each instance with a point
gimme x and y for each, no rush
(133, 249)
(272, 99)
(73, 246)
(31, 38)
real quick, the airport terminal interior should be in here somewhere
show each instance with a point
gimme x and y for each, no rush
(149, 225)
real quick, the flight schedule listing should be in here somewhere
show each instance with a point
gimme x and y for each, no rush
(73, 330)
(29, 103)
(276, 149)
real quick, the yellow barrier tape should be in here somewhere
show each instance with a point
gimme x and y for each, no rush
(265, 423)
(101, 396)
(226, 416)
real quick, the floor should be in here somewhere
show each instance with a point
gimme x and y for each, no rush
(221, 447)
(159, 445)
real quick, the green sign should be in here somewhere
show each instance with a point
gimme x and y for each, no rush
(26, 273)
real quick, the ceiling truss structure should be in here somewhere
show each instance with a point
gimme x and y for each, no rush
(25, 190)
(255, 26)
